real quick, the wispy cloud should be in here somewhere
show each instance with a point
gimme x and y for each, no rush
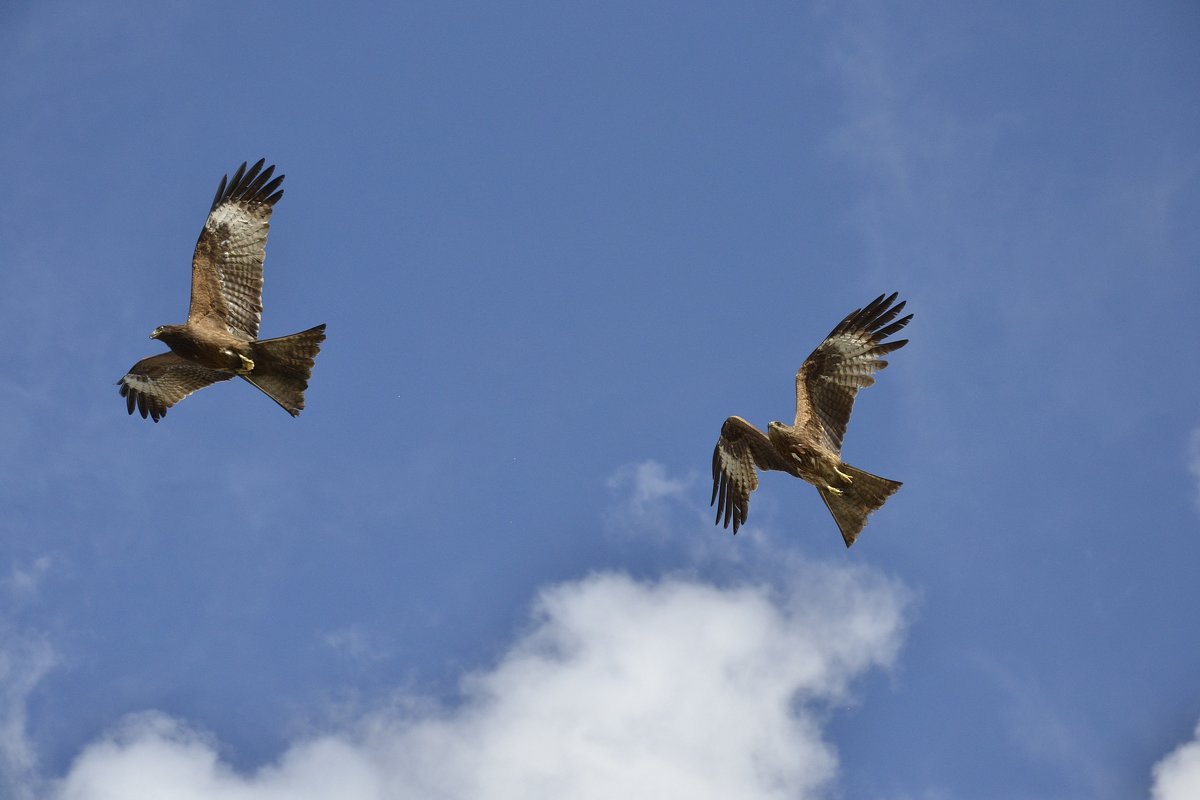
(1041, 727)
(23, 580)
(1177, 776)
(357, 644)
(24, 661)
(645, 498)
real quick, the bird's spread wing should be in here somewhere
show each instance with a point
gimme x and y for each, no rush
(845, 362)
(154, 384)
(227, 267)
(741, 448)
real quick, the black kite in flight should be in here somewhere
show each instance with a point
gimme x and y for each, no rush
(810, 448)
(220, 338)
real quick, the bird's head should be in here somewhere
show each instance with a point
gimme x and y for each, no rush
(157, 332)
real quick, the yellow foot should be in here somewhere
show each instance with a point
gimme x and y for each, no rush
(843, 475)
(247, 365)
(834, 490)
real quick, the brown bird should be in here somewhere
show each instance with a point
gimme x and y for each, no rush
(810, 448)
(220, 338)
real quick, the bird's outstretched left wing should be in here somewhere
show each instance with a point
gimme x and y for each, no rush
(829, 379)
(154, 384)
(740, 449)
(227, 266)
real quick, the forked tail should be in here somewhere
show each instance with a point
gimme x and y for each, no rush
(859, 498)
(283, 366)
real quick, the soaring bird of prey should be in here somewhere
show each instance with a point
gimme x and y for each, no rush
(220, 338)
(810, 448)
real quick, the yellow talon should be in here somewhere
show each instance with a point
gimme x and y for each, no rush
(247, 364)
(843, 476)
(834, 490)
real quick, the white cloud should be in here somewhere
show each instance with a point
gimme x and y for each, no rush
(153, 756)
(677, 687)
(1177, 777)
(619, 688)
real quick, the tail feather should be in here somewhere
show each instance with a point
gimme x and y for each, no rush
(283, 366)
(864, 495)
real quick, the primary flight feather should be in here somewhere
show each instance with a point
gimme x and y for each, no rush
(810, 448)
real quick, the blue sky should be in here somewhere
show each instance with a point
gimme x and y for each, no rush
(556, 245)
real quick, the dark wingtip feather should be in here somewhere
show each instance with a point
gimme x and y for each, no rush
(883, 333)
(872, 308)
(247, 195)
(237, 177)
(265, 195)
(722, 499)
(245, 186)
(255, 186)
(227, 187)
(269, 187)
(865, 318)
(220, 191)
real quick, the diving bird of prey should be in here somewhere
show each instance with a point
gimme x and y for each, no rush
(220, 337)
(810, 448)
